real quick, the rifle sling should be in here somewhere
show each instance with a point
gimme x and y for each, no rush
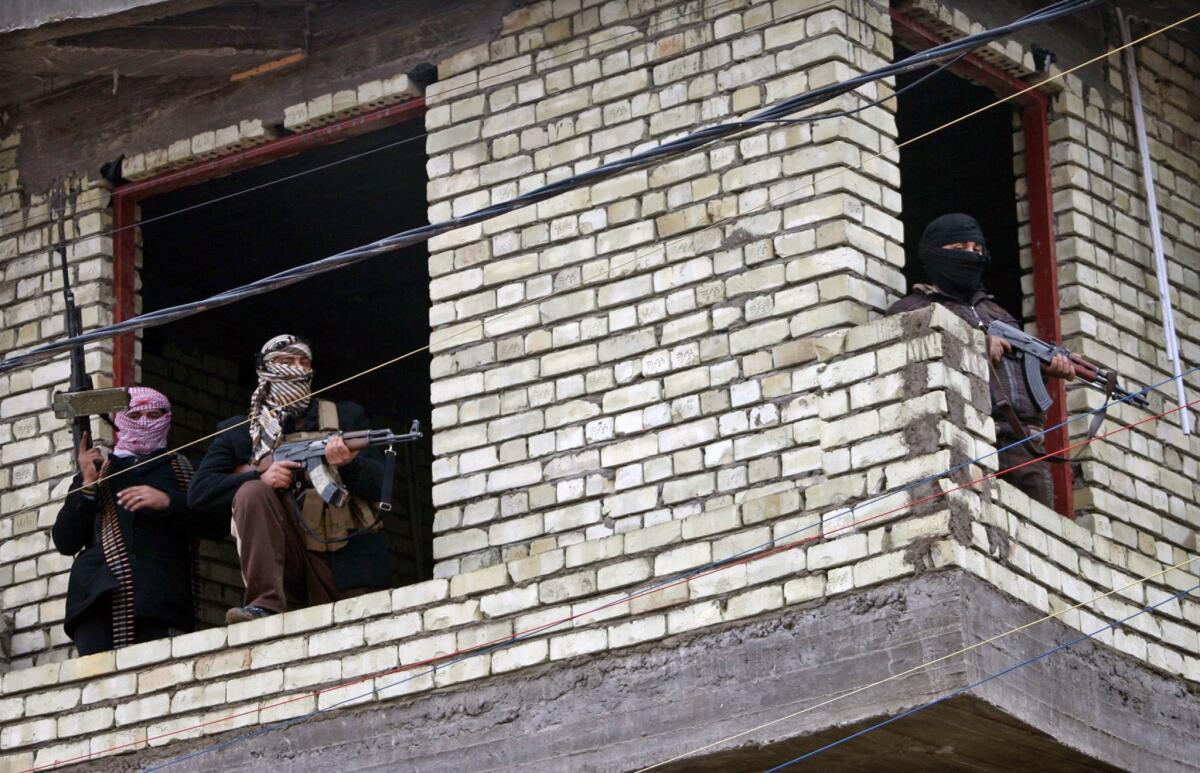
(296, 502)
(1017, 424)
(389, 474)
(1110, 383)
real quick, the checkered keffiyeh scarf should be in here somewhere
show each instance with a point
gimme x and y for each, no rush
(141, 436)
(279, 385)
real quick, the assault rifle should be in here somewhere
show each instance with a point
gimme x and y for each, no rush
(1035, 352)
(81, 400)
(311, 454)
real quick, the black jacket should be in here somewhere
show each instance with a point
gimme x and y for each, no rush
(158, 544)
(215, 483)
(364, 561)
(981, 310)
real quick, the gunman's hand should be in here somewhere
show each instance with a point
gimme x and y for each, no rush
(143, 498)
(279, 474)
(89, 460)
(336, 452)
(1060, 367)
(997, 348)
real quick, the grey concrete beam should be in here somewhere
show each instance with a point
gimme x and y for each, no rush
(34, 21)
(1082, 709)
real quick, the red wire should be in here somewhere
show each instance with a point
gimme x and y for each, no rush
(606, 605)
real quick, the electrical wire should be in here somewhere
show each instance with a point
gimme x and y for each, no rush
(394, 360)
(445, 661)
(775, 199)
(669, 149)
(502, 75)
(985, 680)
(1089, 439)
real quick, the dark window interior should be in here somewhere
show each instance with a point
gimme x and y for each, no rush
(354, 318)
(967, 167)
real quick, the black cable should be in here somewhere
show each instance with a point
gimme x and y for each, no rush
(425, 134)
(679, 146)
(874, 103)
(905, 89)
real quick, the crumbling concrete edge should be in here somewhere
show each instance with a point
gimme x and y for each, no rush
(635, 707)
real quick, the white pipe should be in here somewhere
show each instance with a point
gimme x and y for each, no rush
(1160, 261)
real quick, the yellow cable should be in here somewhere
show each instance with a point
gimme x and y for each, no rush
(636, 258)
(1027, 625)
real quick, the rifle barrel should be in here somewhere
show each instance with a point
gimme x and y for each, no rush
(368, 438)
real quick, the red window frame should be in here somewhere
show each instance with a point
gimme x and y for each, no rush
(1034, 107)
(125, 198)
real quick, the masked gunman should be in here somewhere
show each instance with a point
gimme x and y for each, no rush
(291, 543)
(131, 532)
(954, 255)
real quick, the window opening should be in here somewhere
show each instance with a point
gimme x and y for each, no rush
(967, 167)
(353, 318)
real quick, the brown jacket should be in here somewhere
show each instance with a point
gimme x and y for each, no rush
(979, 312)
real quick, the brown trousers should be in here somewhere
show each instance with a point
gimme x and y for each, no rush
(271, 549)
(1034, 479)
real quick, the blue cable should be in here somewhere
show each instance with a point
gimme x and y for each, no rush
(973, 685)
(644, 590)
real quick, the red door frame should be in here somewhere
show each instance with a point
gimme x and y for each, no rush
(125, 198)
(1035, 125)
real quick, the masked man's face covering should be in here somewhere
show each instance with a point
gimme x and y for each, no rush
(139, 429)
(957, 272)
(284, 387)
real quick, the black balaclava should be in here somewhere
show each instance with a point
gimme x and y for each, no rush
(957, 272)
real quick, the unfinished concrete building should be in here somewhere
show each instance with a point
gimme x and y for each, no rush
(633, 381)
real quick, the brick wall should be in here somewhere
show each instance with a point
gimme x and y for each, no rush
(645, 390)
(36, 458)
(707, 379)
(1144, 488)
(915, 378)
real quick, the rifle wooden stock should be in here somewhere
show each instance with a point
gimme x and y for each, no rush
(357, 440)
